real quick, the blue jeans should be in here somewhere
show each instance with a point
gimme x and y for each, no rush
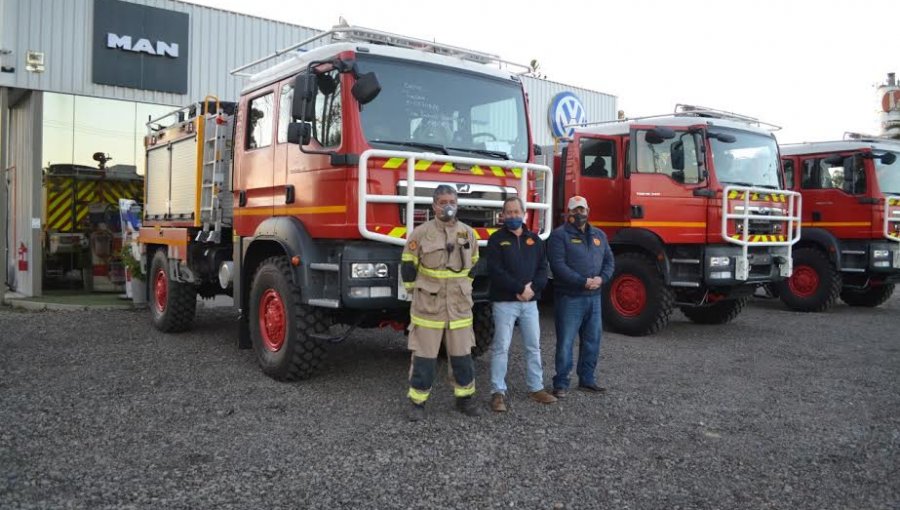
(577, 315)
(506, 314)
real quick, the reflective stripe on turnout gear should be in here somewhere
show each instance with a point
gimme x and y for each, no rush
(419, 396)
(467, 391)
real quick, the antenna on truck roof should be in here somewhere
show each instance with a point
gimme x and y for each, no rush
(350, 33)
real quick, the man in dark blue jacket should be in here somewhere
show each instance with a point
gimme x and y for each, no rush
(581, 261)
(517, 265)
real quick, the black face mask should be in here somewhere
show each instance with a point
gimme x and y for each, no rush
(579, 220)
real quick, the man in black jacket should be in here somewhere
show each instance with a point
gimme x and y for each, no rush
(518, 268)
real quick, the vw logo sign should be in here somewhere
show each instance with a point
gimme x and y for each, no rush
(566, 109)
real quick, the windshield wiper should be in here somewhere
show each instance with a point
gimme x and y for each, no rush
(483, 152)
(418, 145)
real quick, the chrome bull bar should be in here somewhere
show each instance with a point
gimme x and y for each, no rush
(410, 199)
(783, 243)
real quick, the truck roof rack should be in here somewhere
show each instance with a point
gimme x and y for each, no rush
(686, 110)
(862, 137)
(351, 33)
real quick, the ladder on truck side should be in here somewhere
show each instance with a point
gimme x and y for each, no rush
(216, 154)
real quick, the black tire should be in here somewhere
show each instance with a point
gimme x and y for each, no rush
(173, 305)
(636, 317)
(815, 284)
(483, 324)
(285, 350)
(869, 297)
(721, 312)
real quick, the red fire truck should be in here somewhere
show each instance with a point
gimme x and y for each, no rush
(336, 153)
(694, 210)
(851, 222)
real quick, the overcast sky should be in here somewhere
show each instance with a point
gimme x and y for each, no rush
(809, 66)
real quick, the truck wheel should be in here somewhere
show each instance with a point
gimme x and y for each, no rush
(483, 324)
(814, 286)
(280, 326)
(870, 297)
(173, 305)
(720, 312)
(636, 302)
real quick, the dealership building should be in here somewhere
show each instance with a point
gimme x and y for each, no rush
(79, 80)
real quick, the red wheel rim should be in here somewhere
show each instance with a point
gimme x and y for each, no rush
(161, 290)
(628, 295)
(804, 282)
(272, 324)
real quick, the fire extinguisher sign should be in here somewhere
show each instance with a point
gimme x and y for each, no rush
(23, 257)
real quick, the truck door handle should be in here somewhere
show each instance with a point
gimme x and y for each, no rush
(817, 216)
(289, 194)
(637, 211)
(242, 198)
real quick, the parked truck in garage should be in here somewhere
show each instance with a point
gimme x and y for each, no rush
(297, 199)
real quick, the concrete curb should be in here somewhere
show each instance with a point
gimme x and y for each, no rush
(37, 306)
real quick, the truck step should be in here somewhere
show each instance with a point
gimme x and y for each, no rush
(324, 266)
(852, 270)
(853, 252)
(693, 285)
(685, 261)
(325, 303)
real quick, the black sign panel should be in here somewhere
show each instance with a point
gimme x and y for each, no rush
(140, 47)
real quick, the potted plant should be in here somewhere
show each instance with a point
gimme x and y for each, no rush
(135, 276)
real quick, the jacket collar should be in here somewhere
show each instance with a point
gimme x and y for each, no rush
(572, 229)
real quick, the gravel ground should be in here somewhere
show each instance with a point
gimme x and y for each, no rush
(776, 410)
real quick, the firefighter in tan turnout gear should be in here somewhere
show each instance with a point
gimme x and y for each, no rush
(435, 268)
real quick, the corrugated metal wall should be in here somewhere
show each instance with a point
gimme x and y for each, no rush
(599, 106)
(25, 190)
(62, 30)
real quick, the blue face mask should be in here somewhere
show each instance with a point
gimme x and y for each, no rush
(513, 223)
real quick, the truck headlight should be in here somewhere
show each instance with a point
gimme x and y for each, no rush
(881, 254)
(719, 261)
(368, 270)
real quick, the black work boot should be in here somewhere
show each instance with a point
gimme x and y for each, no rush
(416, 412)
(468, 406)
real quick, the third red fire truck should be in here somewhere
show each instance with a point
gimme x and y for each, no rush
(851, 222)
(693, 205)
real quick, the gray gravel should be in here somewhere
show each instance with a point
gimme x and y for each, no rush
(777, 410)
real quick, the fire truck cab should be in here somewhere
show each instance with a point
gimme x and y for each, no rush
(336, 153)
(851, 222)
(694, 209)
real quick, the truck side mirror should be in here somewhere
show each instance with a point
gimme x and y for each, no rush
(366, 88)
(658, 135)
(723, 137)
(303, 106)
(888, 158)
(299, 133)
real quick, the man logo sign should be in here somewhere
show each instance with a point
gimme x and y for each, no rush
(565, 110)
(142, 45)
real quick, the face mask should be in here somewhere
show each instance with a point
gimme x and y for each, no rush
(513, 223)
(579, 220)
(448, 212)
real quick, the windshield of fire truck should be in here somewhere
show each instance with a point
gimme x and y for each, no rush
(451, 110)
(888, 175)
(751, 160)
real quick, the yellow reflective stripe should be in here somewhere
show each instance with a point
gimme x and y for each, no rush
(394, 163)
(443, 273)
(498, 172)
(477, 170)
(474, 259)
(467, 391)
(517, 172)
(397, 232)
(409, 285)
(422, 164)
(418, 396)
(461, 323)
(409, 257)
(425, 323)
(447, 168)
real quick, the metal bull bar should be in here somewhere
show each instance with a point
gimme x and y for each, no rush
(891, 216)
(410, 199)
(745, 239)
